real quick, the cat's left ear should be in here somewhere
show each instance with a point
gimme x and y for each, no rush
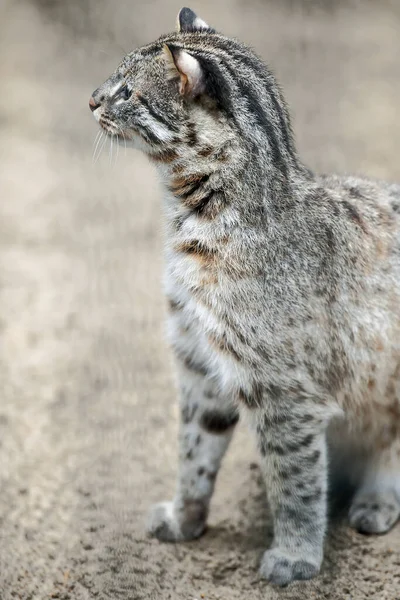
(181, 63)
(188, 21)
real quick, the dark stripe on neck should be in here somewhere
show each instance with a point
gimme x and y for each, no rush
(260, 117)
(274, 93)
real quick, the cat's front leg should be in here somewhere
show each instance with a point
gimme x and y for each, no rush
(207, 422)
(291, 439)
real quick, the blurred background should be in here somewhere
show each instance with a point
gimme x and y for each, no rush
(88, 411)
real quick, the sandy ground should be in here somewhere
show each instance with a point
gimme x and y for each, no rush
(88, 411)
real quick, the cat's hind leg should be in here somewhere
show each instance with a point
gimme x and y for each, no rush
(376, 506)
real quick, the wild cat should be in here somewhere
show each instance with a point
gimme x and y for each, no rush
(283, 289)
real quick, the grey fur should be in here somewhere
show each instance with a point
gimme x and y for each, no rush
(283, 288)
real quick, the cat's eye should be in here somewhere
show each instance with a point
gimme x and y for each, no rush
(124, 93)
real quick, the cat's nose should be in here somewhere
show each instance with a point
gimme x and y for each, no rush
(93, 104)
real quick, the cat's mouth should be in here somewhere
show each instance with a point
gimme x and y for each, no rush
(104, 120)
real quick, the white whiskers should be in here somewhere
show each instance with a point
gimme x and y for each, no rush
(101, 140)
(96, 143)
(110, 153)
(101, 147)
(123, 135)
(117, 153)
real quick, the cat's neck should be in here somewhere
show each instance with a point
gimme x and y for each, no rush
(207, 180)
(217, 168)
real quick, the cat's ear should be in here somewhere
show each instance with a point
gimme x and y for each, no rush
(181, 63)
(188, 21)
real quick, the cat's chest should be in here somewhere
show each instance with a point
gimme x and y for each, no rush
(193, 280)
(201, 321)
(195, 267)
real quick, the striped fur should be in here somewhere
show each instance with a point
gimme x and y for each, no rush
(283, 291)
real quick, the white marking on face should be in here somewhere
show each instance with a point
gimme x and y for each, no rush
(116, 88)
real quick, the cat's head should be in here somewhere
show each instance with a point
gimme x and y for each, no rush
(190, 84)
(147, 99)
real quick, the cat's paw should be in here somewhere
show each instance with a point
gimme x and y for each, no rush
(169, 524)
(374, 513)
(281, 568)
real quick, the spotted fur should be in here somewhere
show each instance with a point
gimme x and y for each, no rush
(283, 289)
